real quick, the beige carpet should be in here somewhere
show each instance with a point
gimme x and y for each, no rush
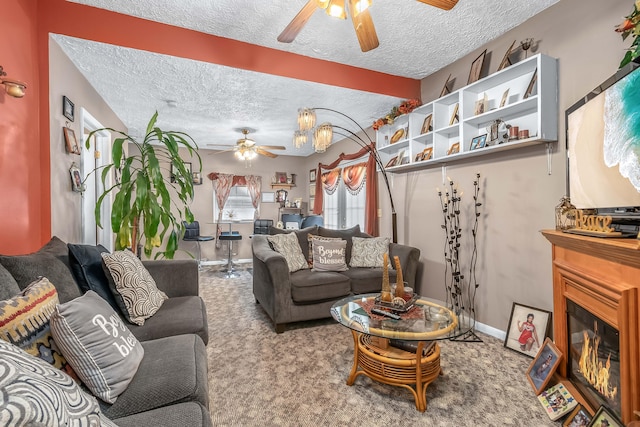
(260, 378)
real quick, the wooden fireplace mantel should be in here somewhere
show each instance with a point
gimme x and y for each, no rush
(603, 276)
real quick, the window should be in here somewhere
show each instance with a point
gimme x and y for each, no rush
(238, 206)
(343, 209)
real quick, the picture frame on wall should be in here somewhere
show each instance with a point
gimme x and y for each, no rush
(527, 329)
(68, 109)
(543, 366)
(187, 165)
(604, 417)
(476, 68)
(76, 178)
(268, 197)
(312, 175)
(312, 190)
(280, 178)
(71, 143)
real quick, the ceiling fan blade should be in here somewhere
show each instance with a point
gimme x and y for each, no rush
(441, 4)
(266, 153)
(272, 147)
(295, 26)
(365, 31)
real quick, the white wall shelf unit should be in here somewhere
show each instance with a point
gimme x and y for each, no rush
(536, 112)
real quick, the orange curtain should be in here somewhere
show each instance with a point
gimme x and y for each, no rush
(330, 181)
(354, 177)
(370, 221)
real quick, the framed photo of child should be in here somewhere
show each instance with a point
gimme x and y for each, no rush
(528, 327)
(543, 366)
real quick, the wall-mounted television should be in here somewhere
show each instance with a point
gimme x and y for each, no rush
(603, 148)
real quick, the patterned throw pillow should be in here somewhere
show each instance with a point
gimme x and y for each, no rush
(310, 238)
(24, 322)
(368, 251)
(135, 290)
(329, 255)
(32, 392)
(97, 344)
(287, 245)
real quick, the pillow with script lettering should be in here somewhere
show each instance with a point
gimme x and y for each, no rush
(96, 343)
(329, 255)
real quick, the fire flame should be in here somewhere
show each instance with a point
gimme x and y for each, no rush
(592, 368)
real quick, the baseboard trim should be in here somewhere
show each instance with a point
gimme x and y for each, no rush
(490, 330)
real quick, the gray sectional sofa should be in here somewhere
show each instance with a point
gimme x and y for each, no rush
(170, 386)
(307, 295)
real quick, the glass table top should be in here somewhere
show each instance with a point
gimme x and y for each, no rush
(428, 320)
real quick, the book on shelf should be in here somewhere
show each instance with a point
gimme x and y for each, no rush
(557, 401)
(412, 346)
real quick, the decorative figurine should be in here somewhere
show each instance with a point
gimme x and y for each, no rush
(399, 279)
(385, 295)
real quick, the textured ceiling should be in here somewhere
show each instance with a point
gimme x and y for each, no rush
(212, 100)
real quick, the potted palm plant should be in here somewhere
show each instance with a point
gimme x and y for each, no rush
(147, 203)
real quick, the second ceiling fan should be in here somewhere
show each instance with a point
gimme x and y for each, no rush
(247, 149)
(359, 13)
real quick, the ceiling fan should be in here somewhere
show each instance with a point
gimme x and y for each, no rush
(246, 148)
(360, 16)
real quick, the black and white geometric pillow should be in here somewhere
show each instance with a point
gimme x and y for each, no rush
(32, 392)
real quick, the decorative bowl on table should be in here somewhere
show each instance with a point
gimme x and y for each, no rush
(399, 308)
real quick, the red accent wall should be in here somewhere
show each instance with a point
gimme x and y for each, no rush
(24, 166)
(25, 25)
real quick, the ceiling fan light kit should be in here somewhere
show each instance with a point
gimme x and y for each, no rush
(360, 16)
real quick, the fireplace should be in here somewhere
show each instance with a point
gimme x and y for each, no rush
(596, 300)
(593, 362)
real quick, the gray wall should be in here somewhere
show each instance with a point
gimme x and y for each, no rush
(65, 79)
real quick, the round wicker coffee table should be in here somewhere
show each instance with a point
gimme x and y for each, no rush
(377, 341)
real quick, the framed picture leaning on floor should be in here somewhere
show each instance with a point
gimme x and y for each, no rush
(528, 327)
(543, 366)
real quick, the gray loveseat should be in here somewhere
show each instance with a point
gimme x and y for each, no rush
(170, 386)
(305, 294)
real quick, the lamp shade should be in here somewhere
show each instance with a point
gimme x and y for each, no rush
(306, 119)
(322, 137)
(300, 138)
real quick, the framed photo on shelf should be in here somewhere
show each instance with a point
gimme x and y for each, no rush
(427, 153)
(505, 59)
(70, 140)
(268, 197)
(68, 109)
(481, 106)
(476, 68)
(532, 84)
(312, 175)
(418, 157)
(543, 366)
(454, 115)
(505, 96)
(479, 141)
(76, 178)
(580, 417)
(445, 89)
(392, 162)
(455, 148)
(604, 417)
(280, 178)
(528, 327)
(426, 125)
